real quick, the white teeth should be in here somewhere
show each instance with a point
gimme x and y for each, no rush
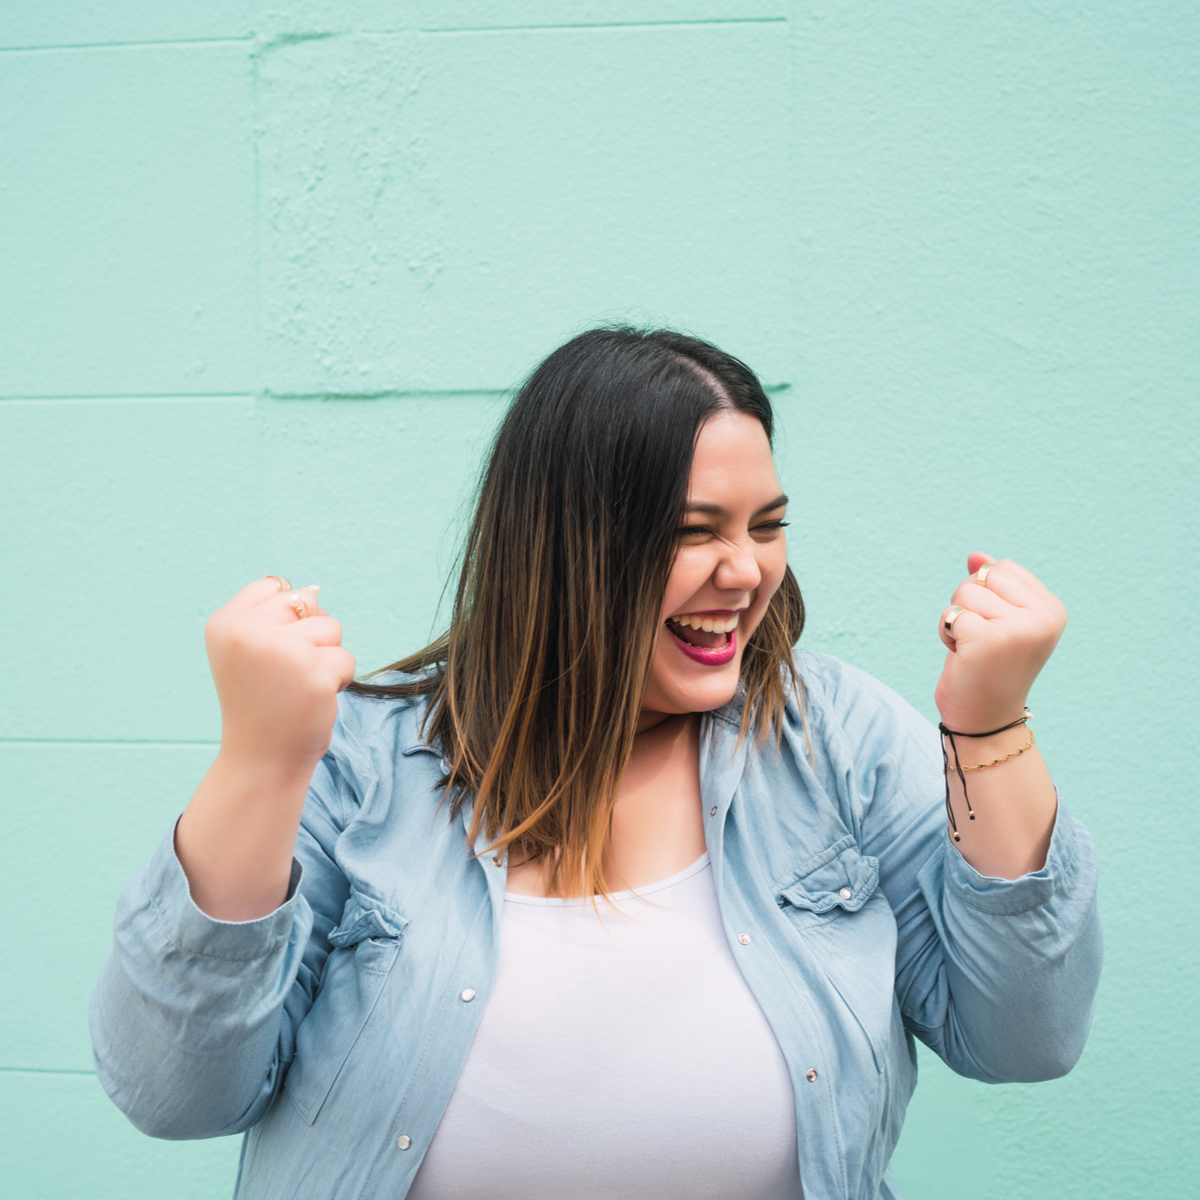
(708, 624)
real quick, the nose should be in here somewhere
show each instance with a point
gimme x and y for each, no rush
(738, 569)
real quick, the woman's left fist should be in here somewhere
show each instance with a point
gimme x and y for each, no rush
(1009, 626)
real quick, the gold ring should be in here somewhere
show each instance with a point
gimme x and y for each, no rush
(282, 583)
(948, 623)
(299, 607)
(982, 574)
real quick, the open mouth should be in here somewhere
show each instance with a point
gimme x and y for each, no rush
(706, 638)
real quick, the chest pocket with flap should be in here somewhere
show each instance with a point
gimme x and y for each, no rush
(837, 880)
(365, 945)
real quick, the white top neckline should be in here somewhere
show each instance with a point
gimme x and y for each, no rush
(631, 894)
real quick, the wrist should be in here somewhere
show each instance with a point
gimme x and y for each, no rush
(984, 722)
(236, 838)
(247, 769)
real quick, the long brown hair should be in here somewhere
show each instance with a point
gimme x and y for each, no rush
(536, 687)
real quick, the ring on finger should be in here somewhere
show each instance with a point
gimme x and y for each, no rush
(952, 616)
(298, 605)
(282, 583)
(982, 574)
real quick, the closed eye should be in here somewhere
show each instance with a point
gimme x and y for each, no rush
(706, 530)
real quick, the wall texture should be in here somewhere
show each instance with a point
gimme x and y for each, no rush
(268, 267)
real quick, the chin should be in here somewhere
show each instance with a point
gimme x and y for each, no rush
(694, 695)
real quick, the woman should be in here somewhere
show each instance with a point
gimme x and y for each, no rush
(603, 893)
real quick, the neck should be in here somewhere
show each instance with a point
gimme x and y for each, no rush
(651, 720)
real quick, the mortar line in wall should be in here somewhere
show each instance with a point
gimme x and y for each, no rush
(397, 394)
(248, 38)
(232, 397)
(135, 397)
(12, 741)
(44, 1071)
(594, 25)
(412, 393)
(230, 41)
(256, 232)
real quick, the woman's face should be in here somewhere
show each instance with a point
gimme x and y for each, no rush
(731, 558)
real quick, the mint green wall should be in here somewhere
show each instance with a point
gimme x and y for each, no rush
(267, 265)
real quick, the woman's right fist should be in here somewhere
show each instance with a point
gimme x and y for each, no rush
(277, 676)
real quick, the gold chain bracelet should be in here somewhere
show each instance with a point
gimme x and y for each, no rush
(997, 761)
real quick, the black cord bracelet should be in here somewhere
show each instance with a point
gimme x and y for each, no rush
(952, 734)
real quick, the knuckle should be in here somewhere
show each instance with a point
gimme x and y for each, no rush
(1038, 633)
(239, 639)
(217, 624)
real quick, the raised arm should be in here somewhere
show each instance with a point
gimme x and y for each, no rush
(998, 938)
(217, 952)
(278, 674)
(1005, 624)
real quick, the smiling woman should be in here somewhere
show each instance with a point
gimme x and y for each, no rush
(607, 892)
(587, 512)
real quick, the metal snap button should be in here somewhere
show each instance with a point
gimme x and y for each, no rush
(845, 893)
(468, 995)
(810, 1075)
(404, 1141)
(744, 938)
(712, 812)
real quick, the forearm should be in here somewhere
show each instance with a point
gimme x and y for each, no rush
(1014, 804)
(236, 839)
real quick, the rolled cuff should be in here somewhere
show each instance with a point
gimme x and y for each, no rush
(187, 927)
(1008, 897)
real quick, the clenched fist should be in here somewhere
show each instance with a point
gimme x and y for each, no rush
(277, 675)
(1008, 627)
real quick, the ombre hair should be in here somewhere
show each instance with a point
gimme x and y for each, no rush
(536, 688)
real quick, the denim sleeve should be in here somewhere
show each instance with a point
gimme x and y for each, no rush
(193, 1021)
(997, 976)
(1006, 989)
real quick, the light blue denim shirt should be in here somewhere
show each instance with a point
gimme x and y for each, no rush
(333, 1030)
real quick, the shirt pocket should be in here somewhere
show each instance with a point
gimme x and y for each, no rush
(365, 945)
(836, 881)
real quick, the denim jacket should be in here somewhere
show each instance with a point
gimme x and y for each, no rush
(333, 1030)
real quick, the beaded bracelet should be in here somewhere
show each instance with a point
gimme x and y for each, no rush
(960, 770)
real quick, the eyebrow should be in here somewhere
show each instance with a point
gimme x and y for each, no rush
(717, 511)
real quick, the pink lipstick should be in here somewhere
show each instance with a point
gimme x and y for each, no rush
(710, 656)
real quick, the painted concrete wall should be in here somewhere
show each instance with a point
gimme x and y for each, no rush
(267, 267)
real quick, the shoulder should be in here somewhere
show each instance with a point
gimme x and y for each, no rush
(853, 717)
(365, 722)
(376, 744)
(833, 689)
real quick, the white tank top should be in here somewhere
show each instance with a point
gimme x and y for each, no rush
(621, 1057)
